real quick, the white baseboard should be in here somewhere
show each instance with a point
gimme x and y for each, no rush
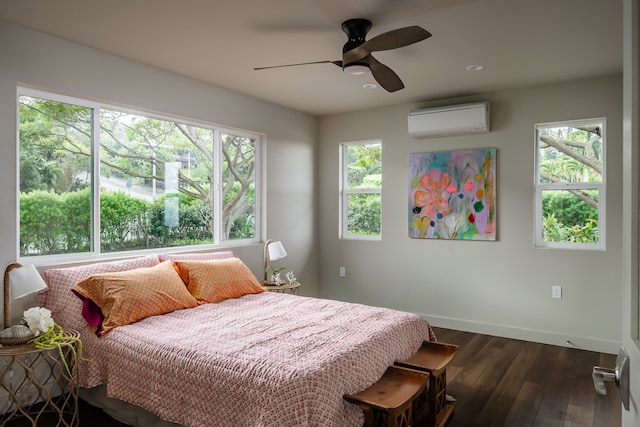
(545, 337)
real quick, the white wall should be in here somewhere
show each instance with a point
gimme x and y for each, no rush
(36, 60)
(503, 287)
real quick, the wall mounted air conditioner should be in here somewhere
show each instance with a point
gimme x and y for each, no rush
(450, 120)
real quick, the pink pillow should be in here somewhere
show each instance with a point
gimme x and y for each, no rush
(66, 308)
(197, 256)
(92, 313)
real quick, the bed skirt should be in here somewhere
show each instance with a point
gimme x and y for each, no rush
(122, 411)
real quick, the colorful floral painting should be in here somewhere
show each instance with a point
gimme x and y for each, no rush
(452, 195)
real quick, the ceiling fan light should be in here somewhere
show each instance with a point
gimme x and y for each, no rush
(356, 68)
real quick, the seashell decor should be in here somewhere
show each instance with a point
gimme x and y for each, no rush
(17, 334)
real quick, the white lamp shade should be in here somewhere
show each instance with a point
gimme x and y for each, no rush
(276, 251)
(25, 280)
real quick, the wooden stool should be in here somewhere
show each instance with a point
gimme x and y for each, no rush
(433, 357)
(389, 402)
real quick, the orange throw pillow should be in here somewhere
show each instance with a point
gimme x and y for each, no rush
(128, 296)
(218, 280)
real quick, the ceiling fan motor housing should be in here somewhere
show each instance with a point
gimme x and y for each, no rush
(356, 31)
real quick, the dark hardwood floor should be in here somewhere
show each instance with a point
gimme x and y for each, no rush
(90, 416)
(502, 382)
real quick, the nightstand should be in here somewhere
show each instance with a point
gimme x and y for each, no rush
(35, 385)
(286, 288)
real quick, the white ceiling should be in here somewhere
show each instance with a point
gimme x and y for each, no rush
(520, 43)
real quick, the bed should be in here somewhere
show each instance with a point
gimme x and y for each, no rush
(261, 359)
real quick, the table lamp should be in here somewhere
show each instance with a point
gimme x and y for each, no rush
(273, 250)
(19, 281)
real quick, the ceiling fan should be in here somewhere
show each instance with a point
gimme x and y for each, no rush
(356, 52)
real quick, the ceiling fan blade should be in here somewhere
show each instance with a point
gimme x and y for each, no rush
(338, 63)
(384, 75)
(393, 39)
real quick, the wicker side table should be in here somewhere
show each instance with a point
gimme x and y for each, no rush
(286, 288)
(35, 385)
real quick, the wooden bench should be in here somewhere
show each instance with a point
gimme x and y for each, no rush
(389, 402)
(432, 357)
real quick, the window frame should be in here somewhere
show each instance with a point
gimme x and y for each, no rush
(95, 251)
(539, 188)
(345, 192)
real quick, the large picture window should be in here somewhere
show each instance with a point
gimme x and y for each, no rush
(98, 179)
(570, 184)
(361, 189)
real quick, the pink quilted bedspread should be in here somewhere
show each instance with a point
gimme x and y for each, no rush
(261, 360)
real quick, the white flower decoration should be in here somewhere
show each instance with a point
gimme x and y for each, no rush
(38, 320)
(290, 277)
(275, 279)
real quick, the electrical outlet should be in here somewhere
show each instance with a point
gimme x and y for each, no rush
(343, 272)
(556, 291)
